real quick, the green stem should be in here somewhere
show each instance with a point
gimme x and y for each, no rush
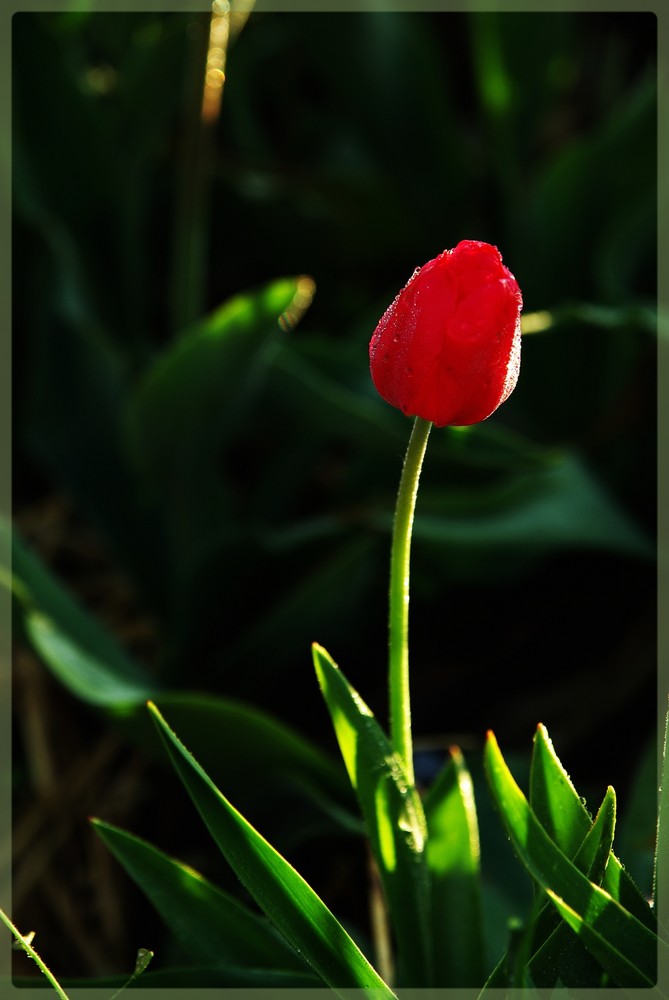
(400, 703)
(24, 942)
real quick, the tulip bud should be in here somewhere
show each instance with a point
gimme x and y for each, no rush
(448, 348)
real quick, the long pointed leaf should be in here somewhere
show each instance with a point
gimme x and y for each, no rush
(562, 813)
(212, 926)
(453, 856)
(613, 957)
(559, 955)
(553, 798)
(619, 932)
(262, 761)
(290, 903)
(393, 816)
(591, 859)
(552, 943)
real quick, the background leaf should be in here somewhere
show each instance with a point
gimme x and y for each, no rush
(558, 505)
(193, 389)
(212, 926)
(80, 652)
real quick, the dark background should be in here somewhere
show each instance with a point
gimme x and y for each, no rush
(350, 148)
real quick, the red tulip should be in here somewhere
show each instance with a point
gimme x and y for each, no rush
(448, 348)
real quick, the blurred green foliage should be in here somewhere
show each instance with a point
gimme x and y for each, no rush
(350, 148)
(242, 472)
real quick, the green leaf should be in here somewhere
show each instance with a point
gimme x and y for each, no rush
(559, 956)
(393, 816)
(563, 815)
(543, 510)
(618, 933)
(290, 903)
(453, 857)
(199, 388)
(614, 958)
(75, 647)
(263, 762)
(188, 420)
(142, 961)
(578, 183)
(211, 925)
(548, 950)
(553, 798)
(593, 856)
(319, 381)
(548, 946)
(341, 573)
(70, 403)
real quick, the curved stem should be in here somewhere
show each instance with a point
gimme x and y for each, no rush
(400, 704)
(24, 942)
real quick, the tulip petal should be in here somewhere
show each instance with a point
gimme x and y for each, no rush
(447, 349)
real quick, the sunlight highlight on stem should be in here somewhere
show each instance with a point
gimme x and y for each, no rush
(24, 941)
(400, 703)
